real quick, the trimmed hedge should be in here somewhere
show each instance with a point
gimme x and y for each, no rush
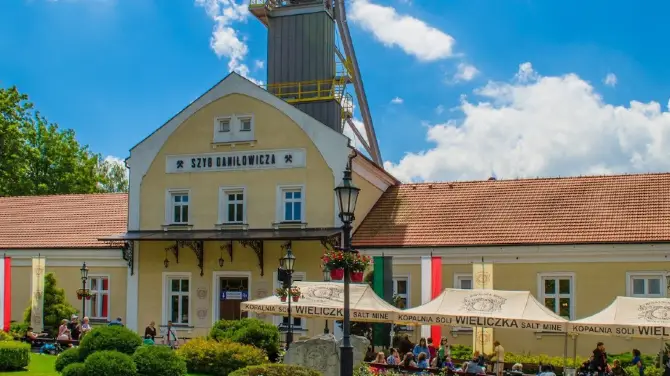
(110, 363)
(14, 355)
(66, 358)
(250, 332)
(75, 369)
(212, 357)
(116, 338)
(276, 370)
(158, 360)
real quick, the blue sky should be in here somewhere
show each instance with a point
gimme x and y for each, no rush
(536, 99)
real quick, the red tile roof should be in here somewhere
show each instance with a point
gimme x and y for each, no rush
(61, 221)
(575, 210)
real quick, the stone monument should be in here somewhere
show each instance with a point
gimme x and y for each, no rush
(322, 353)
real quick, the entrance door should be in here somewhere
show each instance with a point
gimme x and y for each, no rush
(232, 292)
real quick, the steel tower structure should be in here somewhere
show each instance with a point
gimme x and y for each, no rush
(305, 67)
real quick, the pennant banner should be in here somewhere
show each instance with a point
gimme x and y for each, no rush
(436, 290)
(482, 278)
(37, 294)
(426, 289)
(6, 294)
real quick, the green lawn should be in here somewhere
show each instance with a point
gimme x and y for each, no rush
(40, 365)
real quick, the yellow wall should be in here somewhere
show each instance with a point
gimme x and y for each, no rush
(273, 130)
(366, 199)
(152, 254)
(69, 278)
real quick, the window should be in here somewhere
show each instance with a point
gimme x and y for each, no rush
(233, 206)
(557, 293)
(463, 281)
(98, 306)
(298, 323)
(179, 201)
(224, 125)
(646, 284)
(292, 205)
(245, 124)
(178, 300)
(401, 292)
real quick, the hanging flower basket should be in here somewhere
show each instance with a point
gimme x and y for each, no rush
(295, 298)
(84, 293)
(282, 299)
(282, 294)
(356, 277)
(294, 292)
(337, 274)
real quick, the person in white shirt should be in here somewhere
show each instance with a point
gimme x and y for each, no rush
(498, 358)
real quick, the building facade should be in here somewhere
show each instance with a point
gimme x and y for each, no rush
(574, 243)
(216, 196)
(64, 230)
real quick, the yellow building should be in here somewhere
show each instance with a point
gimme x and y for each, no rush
(64, 230)
(218, 193)
(574, 243)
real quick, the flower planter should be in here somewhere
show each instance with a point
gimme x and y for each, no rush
(88, 297)
(357, 277)
(337, 274)
(296, 298)
(283, 299)
(79, 297)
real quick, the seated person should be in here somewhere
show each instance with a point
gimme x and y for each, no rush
(31, 336)
(380, 359)
(408, 361)
(475, 366)
(422, 361)
(63, 331)
(517, 369)
(617, 370)
(547, 370)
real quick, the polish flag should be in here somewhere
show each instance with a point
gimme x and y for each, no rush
(6, 293)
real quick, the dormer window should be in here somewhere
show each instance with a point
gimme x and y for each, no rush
(224, 125)
(234, 128)
(245, 124)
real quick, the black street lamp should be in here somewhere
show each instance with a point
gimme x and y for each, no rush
(347, 195)
(84, 278)
(286, 265)
(326, 278)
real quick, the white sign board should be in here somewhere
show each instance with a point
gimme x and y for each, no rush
(236, 161)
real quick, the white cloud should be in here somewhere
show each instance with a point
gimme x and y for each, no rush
(610, 80)
(439, 109)
(116, 160)
(542, 126)
(465, 72)
(397, 100)
(225, 40)
(259, 64)
(414, 36)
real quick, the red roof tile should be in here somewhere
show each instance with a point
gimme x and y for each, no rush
(61, 221)
(576, 210)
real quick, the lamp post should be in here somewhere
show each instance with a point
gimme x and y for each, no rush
(347, 195)
(326, 278)
(287, 263)
(84, 278)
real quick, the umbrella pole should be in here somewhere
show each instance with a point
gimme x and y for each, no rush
(565, 353)
(574, 352)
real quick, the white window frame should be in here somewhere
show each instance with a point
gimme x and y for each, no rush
(167, 278)
(89, 303)
(223, 204)
(541, 277)
(646, 275)
(281, 189)
(241, 119)
(408, 297)
(459, 277)
(169, 208)
(277, 320)
(224, 118)
(216, 291)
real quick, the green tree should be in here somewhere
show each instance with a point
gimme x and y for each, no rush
(37, 157)
(55, 308)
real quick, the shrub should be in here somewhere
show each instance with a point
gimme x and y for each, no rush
(249, 331)
(212, 357)
(5, 336)
(18, 330)
(14, 356)
(116, 338)
(276, 370)
(56, 306)
(158, 360)
(75, 369)
(110, 363)
(66, 358)
(648, 371)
